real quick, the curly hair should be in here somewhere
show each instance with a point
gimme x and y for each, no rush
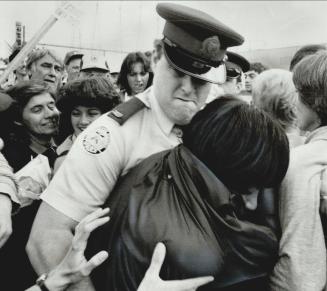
(274, 92)
(310, 80)
(89, 92)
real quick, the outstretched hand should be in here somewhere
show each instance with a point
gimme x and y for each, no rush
(152, 281)
(74, 267)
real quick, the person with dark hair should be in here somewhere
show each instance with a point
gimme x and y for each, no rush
(304, 51)
(302, 253)
(81, 102)
(44, 65)
(135, 75)
(33, 123)
(144, 125)
(203, 199)
(254, 70)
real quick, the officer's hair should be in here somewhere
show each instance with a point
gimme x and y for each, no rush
(305, 51)
(126, 68)
(274, 92)
(239, 143)
(96, 92)
(310, 80)
(22, 93)
(38, 54)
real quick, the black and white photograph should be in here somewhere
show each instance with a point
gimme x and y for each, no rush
(163, 145)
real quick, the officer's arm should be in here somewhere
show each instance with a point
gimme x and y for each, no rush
(50, 238)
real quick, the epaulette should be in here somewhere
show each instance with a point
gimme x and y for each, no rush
(125, 110)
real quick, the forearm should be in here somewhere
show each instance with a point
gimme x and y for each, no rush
(46, 250)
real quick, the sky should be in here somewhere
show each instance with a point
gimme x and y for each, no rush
(115, 28)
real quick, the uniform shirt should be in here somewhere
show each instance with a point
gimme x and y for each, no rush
(104, 152)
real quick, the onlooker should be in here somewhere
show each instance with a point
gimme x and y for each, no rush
(81, 102)
(73, 60)
(94, 66)
(305, 51)
(302, 252)
(44, 65)
(255, 70)
(274, 92)
(135, 75)
(116, 142)
(34, 123)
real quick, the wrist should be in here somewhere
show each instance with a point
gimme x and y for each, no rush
(56, 281)
(323, 197)
(5, 202)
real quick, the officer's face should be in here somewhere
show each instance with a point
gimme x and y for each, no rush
(179, 96)
(40, 115)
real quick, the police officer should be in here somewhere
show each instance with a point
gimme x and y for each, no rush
(236, 65)
(194, 48)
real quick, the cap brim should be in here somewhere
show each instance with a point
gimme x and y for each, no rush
(214, 75)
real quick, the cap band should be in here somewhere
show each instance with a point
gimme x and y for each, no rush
(209, 50)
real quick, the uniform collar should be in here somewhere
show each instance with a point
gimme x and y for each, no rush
(151, 101)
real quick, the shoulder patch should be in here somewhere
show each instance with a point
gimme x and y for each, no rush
(124, 111)
(97, 140)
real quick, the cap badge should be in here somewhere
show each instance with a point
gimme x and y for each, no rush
(211, 49)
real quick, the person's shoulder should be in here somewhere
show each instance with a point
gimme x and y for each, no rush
(126, 110)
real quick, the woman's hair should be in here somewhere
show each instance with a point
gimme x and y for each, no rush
(310, 80)
(126, 68)
(96, 92)
(274, 92)
(22, 93)
(239, 143)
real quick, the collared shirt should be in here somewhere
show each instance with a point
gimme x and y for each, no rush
(104, 152)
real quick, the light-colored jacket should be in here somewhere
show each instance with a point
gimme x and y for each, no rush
(302, 254)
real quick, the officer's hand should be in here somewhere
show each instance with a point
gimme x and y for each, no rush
(74, 267)
(5, 218)
(152, 281)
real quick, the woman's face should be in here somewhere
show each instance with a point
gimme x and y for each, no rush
(308, 119)
(137, 78)
(82, 117)
(40, 115)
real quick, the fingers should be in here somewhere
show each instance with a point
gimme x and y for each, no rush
(4, 235)
(189, 284)
(87, 225)
(157, 260)
(94, 262)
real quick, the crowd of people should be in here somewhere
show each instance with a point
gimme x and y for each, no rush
(212, 167)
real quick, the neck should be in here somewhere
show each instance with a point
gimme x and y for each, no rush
(39, 144)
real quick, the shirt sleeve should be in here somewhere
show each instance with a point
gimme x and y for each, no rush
(8, 184)
(90, 170)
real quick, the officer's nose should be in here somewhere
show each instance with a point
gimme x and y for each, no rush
(187, 84)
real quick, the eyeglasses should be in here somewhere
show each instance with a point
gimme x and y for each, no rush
(233, 73)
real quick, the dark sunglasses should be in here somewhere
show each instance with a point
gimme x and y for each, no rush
(233, 73)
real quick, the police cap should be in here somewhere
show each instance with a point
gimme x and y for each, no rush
(195, 43)
(234, 59)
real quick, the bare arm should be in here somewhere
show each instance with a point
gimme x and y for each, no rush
(50, 238)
